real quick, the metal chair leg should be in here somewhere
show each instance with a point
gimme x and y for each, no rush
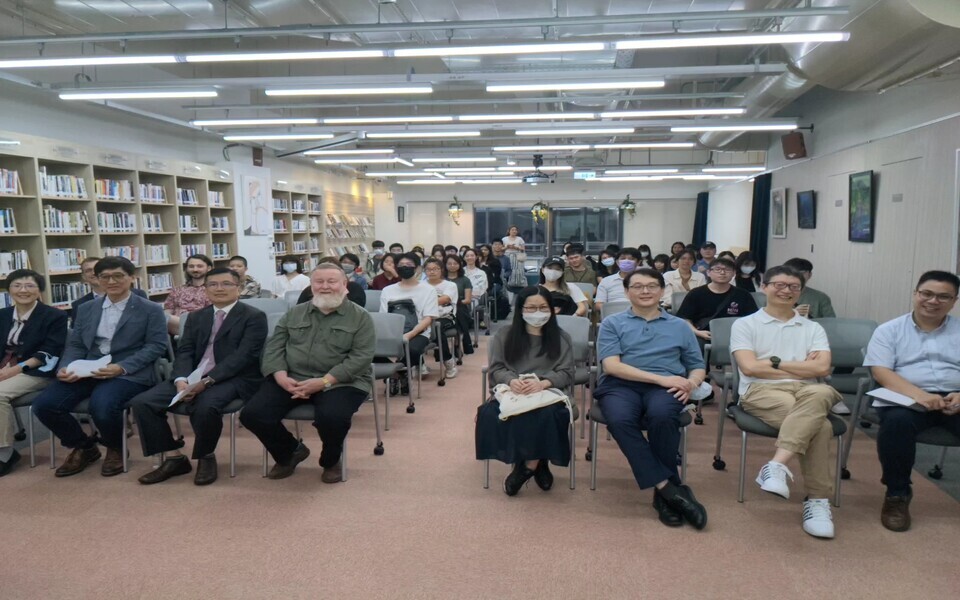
(343, 461)
(836, 483)
(683, 456)
(378, 449)
(573, 455)
(743, 464)
(33, 450)
(123, 442)
(718, 462)
(486, 474)
(176, 425)
(386, 405)
(53, 451)
(233, 444)
(264, 461)
(593, 454)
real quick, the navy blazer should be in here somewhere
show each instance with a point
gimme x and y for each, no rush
(236, 348)
(45, 331)
(139, 341)
(89, 296)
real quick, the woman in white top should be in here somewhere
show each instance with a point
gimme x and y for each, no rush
(446, 301)
(478, 277)
(568, 299)
(683, 279)
(513, 243)
(291, 279)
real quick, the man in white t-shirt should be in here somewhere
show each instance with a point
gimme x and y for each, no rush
(424, 298)
(780, 355)
(610, 288)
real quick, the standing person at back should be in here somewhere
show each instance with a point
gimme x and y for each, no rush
(578, 270)
(190, 296)
(715, 300)
(812, 303)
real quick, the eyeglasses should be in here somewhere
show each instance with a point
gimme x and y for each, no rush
(24, 286)
(533, 309)
(720, 270)
(112, 277)
(650, 287)
(783, 285)
(927, 296)
(214, 285)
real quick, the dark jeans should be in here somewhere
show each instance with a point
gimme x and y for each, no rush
(332, 413)
(417, 345)
(897, 442)
(107, 399)
(629, 408)
(205, 411)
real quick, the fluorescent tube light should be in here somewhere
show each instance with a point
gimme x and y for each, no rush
(571, 85)
(9, 142)
(625, 146)
(543, 168)
(734, 169)
(355, 161)
(475, 174)
(421, 134)
(529, 116)
(267, 137)
(743, 127)
(136, 94)
(348, 152)
(544, 148)
(702, 41)
(640, 171)
(383, 120)
(454, 159)
(427, 182)
(352, 91)
(562, 132)
(87, 61)
(245, 122)
(500, 49)
(396, 174)
(627, 178)
(265, 56)
(404, 162)
(459, 169)
(671, 112)
(711, 177)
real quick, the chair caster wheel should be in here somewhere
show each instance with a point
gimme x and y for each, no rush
(441, 383)
(378, 450)
(866, 424)
(844, 473)
(935, 473)
(411, 409)
(20, 436)
(698, 420)
(719, 464)
(588, 456)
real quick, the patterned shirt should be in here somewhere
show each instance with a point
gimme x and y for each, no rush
(186, 299)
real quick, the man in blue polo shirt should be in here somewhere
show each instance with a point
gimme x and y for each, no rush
(652, 364)
(916, 355)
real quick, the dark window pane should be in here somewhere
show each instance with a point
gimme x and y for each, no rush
(480, 226)
(497, 220)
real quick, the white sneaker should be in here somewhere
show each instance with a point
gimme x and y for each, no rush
(450, 367)
(773, 479)
(840, 408)
(425, 370)
(817, 518)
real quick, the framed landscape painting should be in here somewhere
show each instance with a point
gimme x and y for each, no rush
(807, 210)
(862, 207)
(778, 213)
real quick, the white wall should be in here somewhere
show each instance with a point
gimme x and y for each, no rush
(728, 218)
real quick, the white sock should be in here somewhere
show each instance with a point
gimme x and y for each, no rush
(5, 453)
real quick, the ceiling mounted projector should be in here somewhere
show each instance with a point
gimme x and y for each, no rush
(538, 176)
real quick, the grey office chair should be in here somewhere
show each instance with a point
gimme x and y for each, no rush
(373, 300)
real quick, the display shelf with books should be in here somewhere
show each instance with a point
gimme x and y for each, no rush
(348, 225)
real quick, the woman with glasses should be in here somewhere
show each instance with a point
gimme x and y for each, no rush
(683, 279)
(530, 356)
(33, 335)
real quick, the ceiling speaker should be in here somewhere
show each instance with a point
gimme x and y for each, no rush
(793, 146)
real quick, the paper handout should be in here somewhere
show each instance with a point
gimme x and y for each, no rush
(192, 378)
(85, 368)
(884, 398)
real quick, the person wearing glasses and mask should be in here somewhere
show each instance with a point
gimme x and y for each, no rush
(651, 365)
(611, 287)
(534, 343)
(915, 355)
(780, 355)
(132, 332)
(33, 335)
(717, 299)
(227, 338)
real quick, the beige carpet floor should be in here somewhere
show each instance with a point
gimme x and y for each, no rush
(416, 523)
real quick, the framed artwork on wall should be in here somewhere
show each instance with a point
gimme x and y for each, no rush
(807, 210)
(401, 214)
(862, 207)
(778, 213)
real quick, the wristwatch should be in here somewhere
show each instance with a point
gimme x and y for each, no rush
(775, 362)
(326, 382)
(24, 367)
(207, 381)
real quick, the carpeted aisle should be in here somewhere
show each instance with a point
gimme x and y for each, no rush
(416, 523)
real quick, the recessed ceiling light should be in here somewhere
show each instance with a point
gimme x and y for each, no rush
(351, 91)
(730, 39)
(396, 174)
(627, 178)
(454, 159)
(250, 122)
(500, 49)
(543, 168)
(273, 56)
(742, 127)
(561, 86)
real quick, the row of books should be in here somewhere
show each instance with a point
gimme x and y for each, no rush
(191, 249)
(314, 225)
(280, 247)
(157, 254)
(113, 189)
(66, 293)
(341, 250)
(299, 246)
(8, 223)
(221, 250)
(342, 233)
(280, 204)
(152, 193)
(279, 225)
(122, 222)
(299, 226)
(65, 259)
(159, 282)
(314, 245)
(299, 206)
(187, 197)
(131, 253)
(313, 205)
(333, 219)
(219, 223)
(64, 221)
(152, 223)
(217, 199)
(61, 186)
(189, 223)
(10, 182)
(11, 260)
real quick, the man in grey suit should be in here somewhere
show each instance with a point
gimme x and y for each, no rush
(132, 331)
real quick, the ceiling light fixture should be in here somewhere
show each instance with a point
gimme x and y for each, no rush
(733, 169)
(743, 127)
(355, 161)
(268, 137)
(380, 135)
(672, 112)
(640, 171)
(132, 94)
(9, 142)
(562, 86)
(545, 168)
(529, 116)
(351, 91)
(454, 159)
(476, 174)
(251, 122)
(460, 169)
(630, 145)
(627, 178)
(349, 152)
(500, 49)
(384, 120)
(544, 148)
(564, 132)
(396, 174)
(87, 61)
(730, 39)
(272, 56)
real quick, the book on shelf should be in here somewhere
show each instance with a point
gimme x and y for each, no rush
(191, 249)
(124, 222)
(63, 221)
(8, 222)
(314, 206)
(279, 225)
(153, 194)
(11, 260)
(131, 253)
(314, 225)
(299, 206)
(157, 253)
(280, 247)
(65, 259)
(219, 223)
(189, 223)
(187, 197)
(62, 186)
(159, 282)
(221, 250)
(5, 300)
(216, 199)
(152, 223)
(67, 293)
(280, 204)
(299, 226)
(10, 182)
(299, 247)
(113, 189)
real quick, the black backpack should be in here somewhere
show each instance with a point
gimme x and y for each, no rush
(408, 309)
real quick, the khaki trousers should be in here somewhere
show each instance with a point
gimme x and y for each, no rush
(800, 411)
(10, 390)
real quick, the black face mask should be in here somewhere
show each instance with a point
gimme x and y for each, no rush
(406, 272)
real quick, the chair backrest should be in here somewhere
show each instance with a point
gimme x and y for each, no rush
(720, 330)
(373, 300)
(291, 297)
(587, 288)
(268, 305)
(612, 308)
(578, 328)
(183, 324)
(676, 301)
(272, 320)
(848, 338)
(760, 298)
(389, 328)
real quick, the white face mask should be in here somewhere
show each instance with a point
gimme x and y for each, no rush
(289, 267)
(537, 319)
(644, 254)
(608, 262)
(747, 270)
(551, 274)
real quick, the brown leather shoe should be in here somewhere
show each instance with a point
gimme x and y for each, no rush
(895, 514)
(171, 467)
(113, 463)
(283, 471)
(206, 471)
(332, 474)
(78, 460)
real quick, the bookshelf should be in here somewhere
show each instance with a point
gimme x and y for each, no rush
(59, 204)
(348, 225)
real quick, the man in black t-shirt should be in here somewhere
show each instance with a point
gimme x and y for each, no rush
(715, 300)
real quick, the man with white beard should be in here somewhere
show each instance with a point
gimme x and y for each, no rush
(320, 352)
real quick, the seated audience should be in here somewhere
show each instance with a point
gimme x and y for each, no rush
(290, 279)
(661, 263)
(473, 271)
(190, 296)
(748, 277)
(651, 365)
(446, 307)
(677, 247)
(227, 338)
(424, 298)
(683, 279)
(646, 258)
(717, 299)
(372, 268)
(611, 287)
(453, 271)
(131, 331)
(567, 299)
(708, 251)
(451, 250)
(89, 276)
(533, 344)
(350, 263)
(607, 265)
(249, 287)
(728, 255)
(812, 303)
(388, 273)
(780, 355)
(33, 335)
(397, 248)
(577, 269)
(355, 293)
(319, 353)
(915, 355)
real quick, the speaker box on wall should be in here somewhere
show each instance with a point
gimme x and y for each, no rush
(793, 146)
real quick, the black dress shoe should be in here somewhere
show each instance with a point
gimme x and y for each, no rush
(206, 471)
(280, 471)
(543, 476)
(684, 502)
(6, 467)
(171, 467)
(668, 516)
(516, 479)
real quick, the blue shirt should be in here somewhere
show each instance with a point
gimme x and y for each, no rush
(664, 346)
(927, 359)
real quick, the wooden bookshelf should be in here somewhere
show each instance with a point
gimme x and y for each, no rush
(348, 226)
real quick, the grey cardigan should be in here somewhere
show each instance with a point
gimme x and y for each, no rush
(560, 372)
